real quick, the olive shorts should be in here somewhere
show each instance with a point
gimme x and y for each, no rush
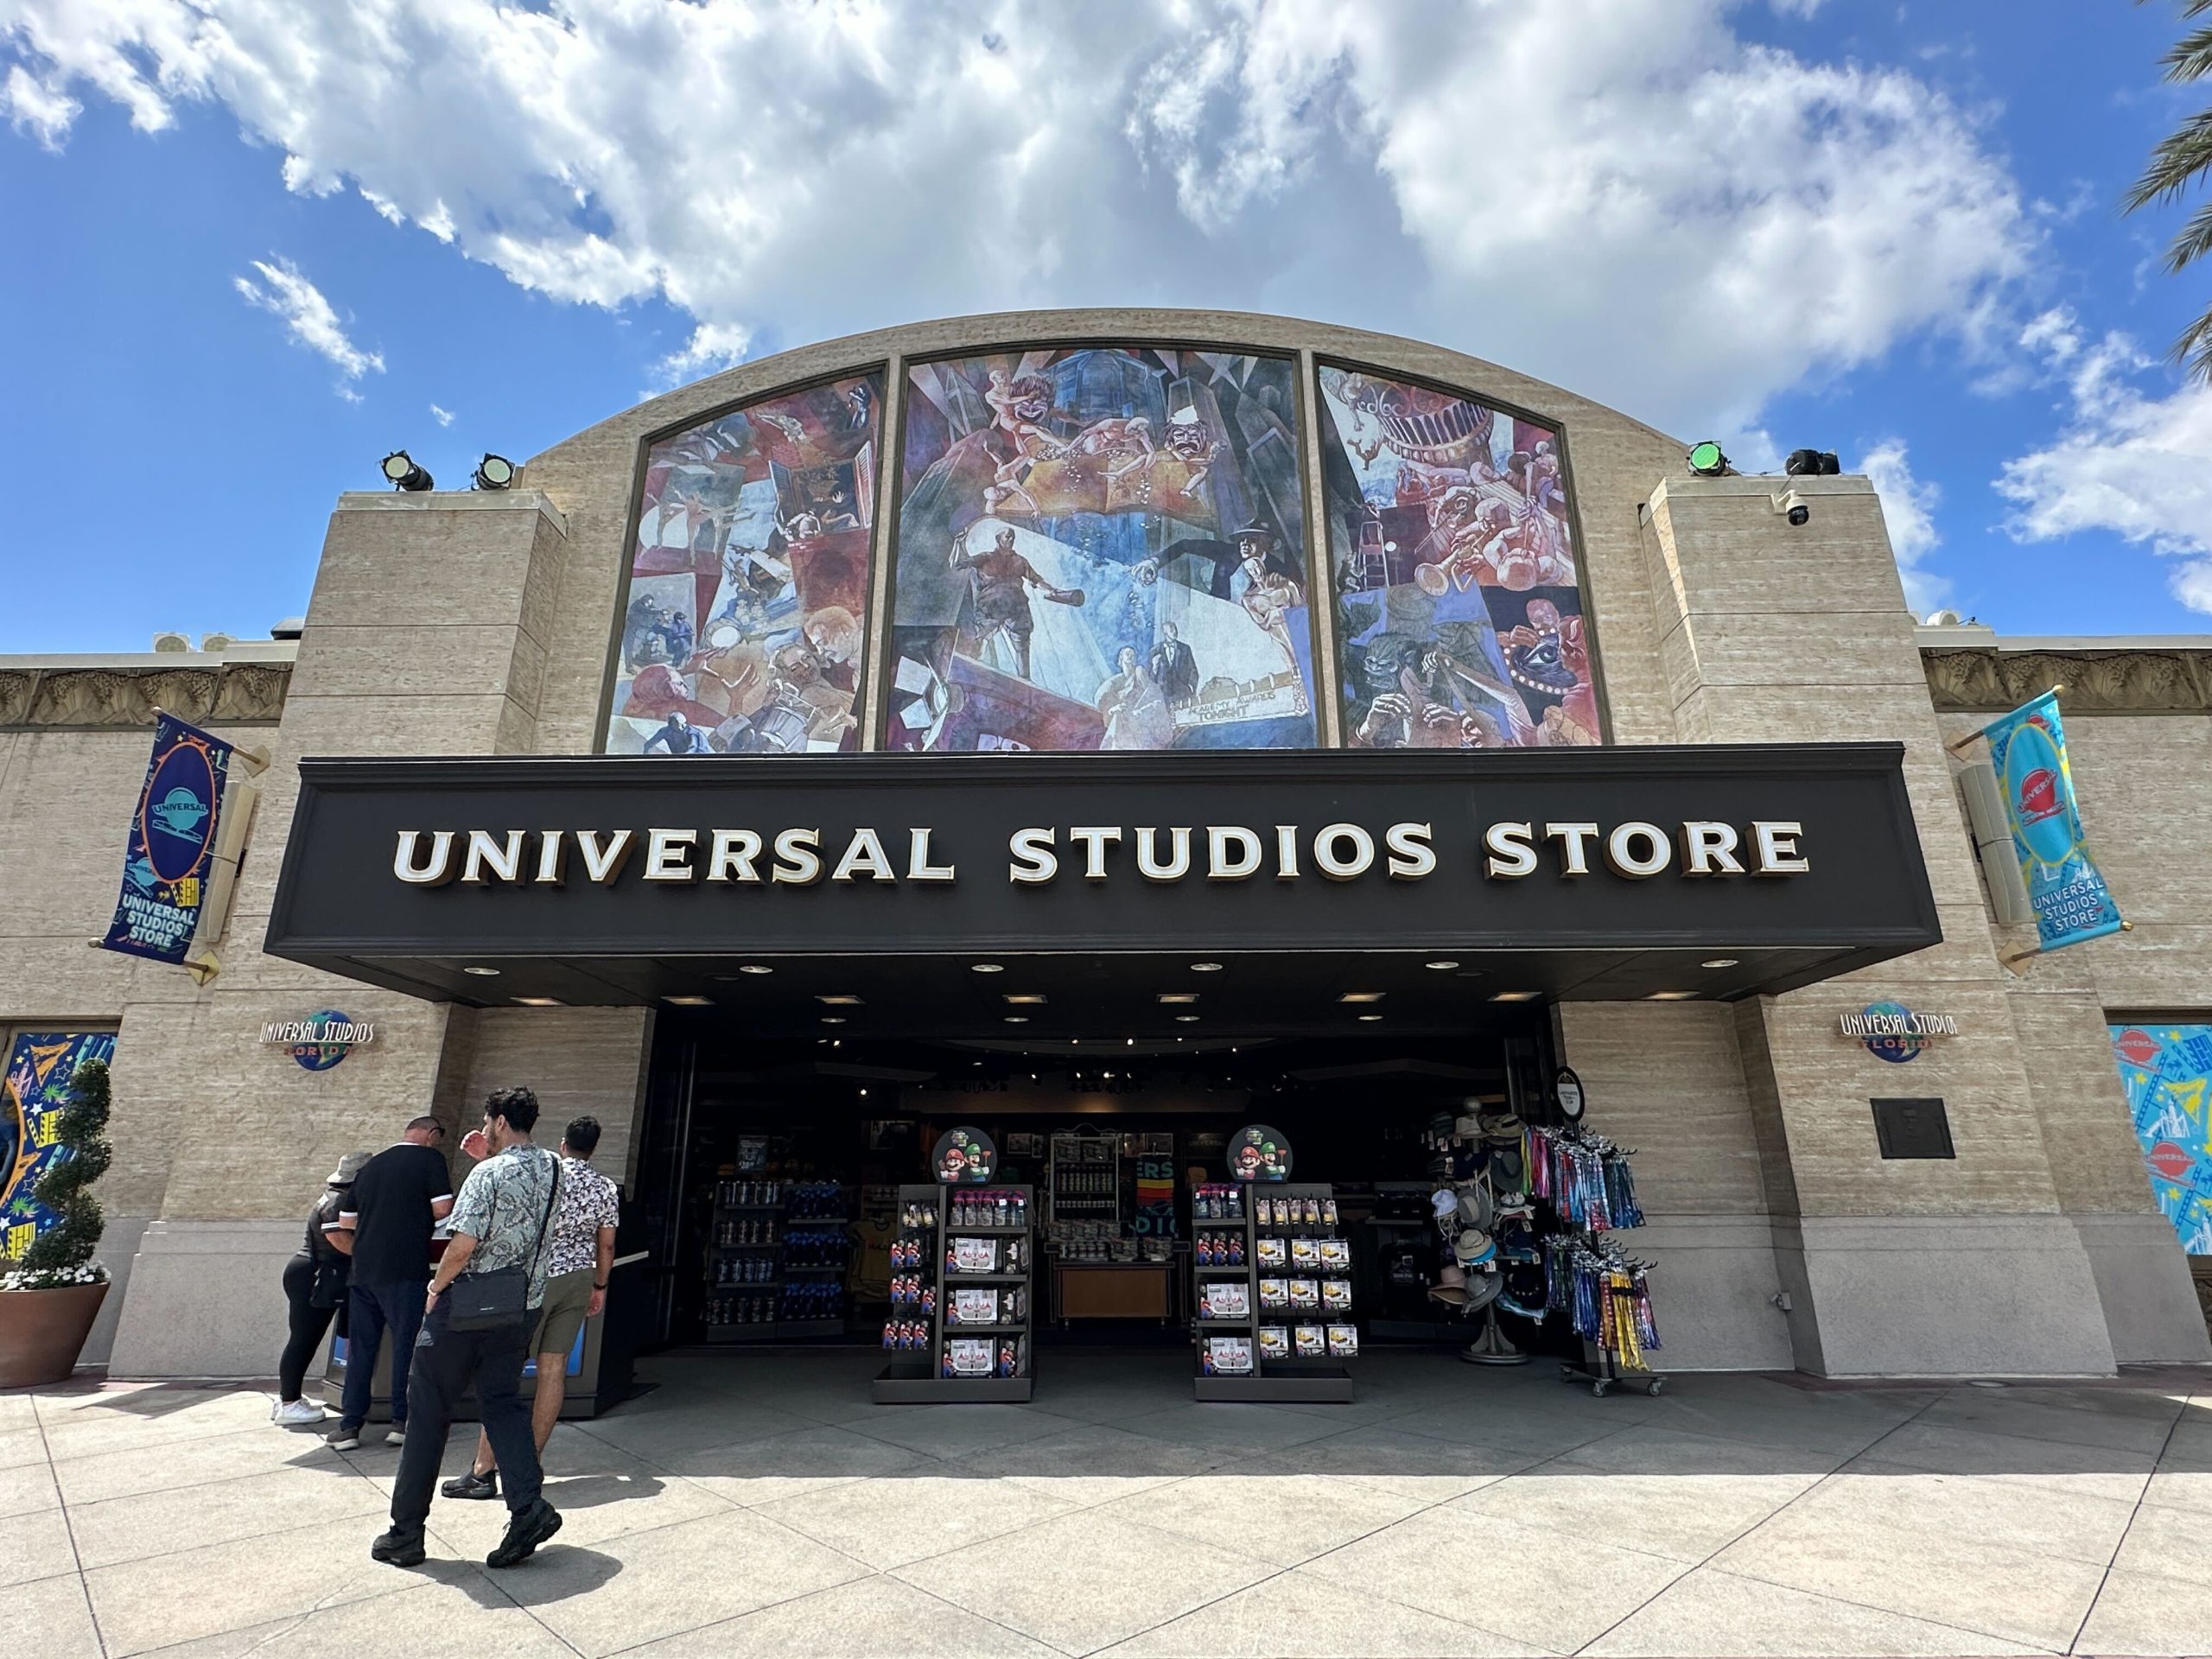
(567, 1295)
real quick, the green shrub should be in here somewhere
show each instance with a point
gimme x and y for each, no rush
(62, 1254)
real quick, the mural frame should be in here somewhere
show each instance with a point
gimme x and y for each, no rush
(640, 464)
(11, 1126)
(1318, 493)
(1302, 364)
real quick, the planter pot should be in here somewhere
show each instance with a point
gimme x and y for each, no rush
(43, 1332)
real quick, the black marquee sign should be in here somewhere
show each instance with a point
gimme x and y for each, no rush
(1618, 849)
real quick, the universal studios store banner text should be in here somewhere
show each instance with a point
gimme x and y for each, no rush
(2027, 749)
(1782, 845)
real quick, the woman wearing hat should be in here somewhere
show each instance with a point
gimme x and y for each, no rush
(314, 1284)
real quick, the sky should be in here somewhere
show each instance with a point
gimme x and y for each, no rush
(253, 244)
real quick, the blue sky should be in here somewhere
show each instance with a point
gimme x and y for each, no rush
(1890, 231)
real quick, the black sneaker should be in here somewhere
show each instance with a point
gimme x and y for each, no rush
(397, 1548)
(473, 1485)
(346, 1437)
(525, 1532)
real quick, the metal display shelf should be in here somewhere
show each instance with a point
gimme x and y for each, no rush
(1293, 1380)
(911, 1382)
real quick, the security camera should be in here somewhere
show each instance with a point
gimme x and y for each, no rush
(1791, 505)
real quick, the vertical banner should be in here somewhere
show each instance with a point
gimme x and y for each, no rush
(2167, 1071)
(2027, 749)
(33, 1091)
(169, 855)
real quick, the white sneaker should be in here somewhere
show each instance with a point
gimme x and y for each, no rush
(292, 1413)
(395, 1437)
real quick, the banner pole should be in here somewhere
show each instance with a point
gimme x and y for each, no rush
(1960, 745)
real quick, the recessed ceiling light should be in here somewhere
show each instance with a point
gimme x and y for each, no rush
(1366, 1018)
(1128, 1042)
(1205, 967)
(1030, 998)
(754, 968)
(1720, 961)
(985, 968)
(1186, 1018)
(1515, 996)
(541, 1001)
(832, 1018)
(840, 1000)
(1017, 1019)
(1441, 963)
(1671, 996)
(1361, 996)
(690, 1001)
(482, 973)
(1178, 996)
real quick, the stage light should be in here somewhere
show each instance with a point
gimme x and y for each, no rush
(493, 472)
(1812, 463)
(482, 973)
(1706, 461)
(402, 472)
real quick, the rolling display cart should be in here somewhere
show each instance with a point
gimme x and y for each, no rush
(1234, 1293)
(961, 1304)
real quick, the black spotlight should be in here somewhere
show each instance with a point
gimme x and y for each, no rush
(494, 473)
(1812, 463)
(405, 473)
(1706, 461)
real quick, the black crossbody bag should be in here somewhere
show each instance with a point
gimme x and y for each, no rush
(488, 1302)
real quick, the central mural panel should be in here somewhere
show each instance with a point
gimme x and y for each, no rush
(1100, 547)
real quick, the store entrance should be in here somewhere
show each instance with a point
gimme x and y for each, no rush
(770, 1174)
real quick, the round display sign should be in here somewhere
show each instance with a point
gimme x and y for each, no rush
(1567, 1093)
(178, 811)
(1900, 1046)
(963, 1156)
(1259, 1152)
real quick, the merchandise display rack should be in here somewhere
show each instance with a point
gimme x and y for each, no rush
(917, 1377)
(767, 1202)
(1284, 1381)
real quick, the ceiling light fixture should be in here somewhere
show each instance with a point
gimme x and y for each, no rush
(690, 1001)
(985, 968)
(1205, 967)
(1670, 996)
(482, 973)
(1515, 996)
(754, 968)
(1186, 1018)
(541, 1001)
(1720, 961)
(1361, 996)
(1366, 1018)
(1441, 963)
(1031, 998)
(842, 999)
(832, 1018)
(1017, 1019)
(1178, 996)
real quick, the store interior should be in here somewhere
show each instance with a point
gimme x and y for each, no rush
(1263, 1202)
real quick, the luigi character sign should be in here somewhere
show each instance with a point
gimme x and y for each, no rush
(965, 1157)
(1258, 1153)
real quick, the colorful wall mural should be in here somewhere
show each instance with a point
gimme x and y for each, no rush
(33, 1091)
(1459, 604)
(746, 622)
(1101, 548)
(2167, 1070)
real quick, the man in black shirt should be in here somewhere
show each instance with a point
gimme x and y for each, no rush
(399, 1195)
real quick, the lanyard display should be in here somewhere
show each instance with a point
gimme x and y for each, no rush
(1585, 1176)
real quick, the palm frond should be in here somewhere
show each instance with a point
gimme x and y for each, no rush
(2177, 160)
(2191, 56)
(2194, 348)
(2194, 241)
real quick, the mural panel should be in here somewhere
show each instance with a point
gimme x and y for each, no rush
(746, 620)
(2166, 1071)
(33, 1091)
(1459, 604)
(1101, 548)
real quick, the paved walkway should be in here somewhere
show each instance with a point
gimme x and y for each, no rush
(760, 1505)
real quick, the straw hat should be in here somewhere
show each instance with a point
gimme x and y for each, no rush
(1451, 1286)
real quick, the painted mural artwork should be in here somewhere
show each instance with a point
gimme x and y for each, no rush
(746, 622)
(1458, 603)
(1101, 548)
(33, 1091)
(2167, 1071)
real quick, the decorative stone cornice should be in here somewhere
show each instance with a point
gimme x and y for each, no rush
(2124, 680)
(226, 694)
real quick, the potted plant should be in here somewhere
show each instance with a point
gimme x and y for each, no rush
(49, 1299)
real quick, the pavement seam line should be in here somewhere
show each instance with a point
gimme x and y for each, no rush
(69, 1530)
(2133, 1515)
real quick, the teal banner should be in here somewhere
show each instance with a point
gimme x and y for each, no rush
(2028, 749)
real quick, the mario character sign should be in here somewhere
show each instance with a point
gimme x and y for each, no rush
(964, 1157)
(1258, 1153)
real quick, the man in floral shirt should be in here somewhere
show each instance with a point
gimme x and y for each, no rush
(584, 1219)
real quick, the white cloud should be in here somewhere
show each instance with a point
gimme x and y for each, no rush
(38, 108)
(2126, 462)
(1908, 509)
(442, 416)
(1623, 196)
(308, 319)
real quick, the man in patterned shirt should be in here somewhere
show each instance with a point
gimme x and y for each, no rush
(584, 1220)
(502, 1220)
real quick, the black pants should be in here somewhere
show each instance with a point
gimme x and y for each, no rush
(447, 1362)
(377, 1312)
(307, 1322)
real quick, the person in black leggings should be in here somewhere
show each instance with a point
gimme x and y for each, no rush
(308, 1320)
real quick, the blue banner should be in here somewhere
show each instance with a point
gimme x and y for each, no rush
(167, 860)
(33, 1091)
(2028, 749)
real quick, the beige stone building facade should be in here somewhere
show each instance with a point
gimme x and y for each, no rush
(505, 624)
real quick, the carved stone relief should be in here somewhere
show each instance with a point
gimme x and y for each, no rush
(239, 693)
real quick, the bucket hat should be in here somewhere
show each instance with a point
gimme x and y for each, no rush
(348, 1167)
